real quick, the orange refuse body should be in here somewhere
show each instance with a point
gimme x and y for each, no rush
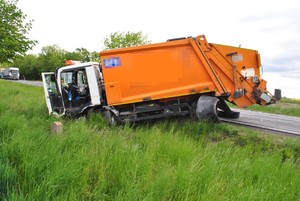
(180, 68)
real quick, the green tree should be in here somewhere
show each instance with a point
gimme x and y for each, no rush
(95, 56)
(128, 39)
(76, 56)
(29, 67)
(13, 31)
(83, 55)
(51, 57)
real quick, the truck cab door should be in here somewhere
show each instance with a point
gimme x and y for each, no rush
(52, 94)
(94, 80)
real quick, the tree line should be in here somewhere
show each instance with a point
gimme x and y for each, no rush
(14, 43)
(31, 66)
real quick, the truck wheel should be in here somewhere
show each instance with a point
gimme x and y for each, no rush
(110, 117)
(207, 108)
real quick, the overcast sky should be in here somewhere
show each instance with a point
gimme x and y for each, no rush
(270, 26)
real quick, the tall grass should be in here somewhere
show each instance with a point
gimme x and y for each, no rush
(165, 160)
(286, 106)
(290, 100)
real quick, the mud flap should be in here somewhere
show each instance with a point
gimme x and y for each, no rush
(226, 112)
(207, 108)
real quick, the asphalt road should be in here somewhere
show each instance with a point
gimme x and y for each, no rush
(267, 121)
(261, 120)
(33, 83)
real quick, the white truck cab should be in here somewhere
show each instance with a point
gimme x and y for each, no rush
(72, 89)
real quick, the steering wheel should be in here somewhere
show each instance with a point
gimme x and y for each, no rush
(73, 87)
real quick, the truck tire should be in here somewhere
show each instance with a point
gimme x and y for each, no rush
(110, 117)
(207, 108)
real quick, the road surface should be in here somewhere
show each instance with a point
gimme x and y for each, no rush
(33, 83)
(266, 121)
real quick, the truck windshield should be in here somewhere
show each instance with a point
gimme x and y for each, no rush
(67, 78)
(74, 77)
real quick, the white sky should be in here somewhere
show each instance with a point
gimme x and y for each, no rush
(270, 26)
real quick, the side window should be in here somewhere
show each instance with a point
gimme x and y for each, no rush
(82, 82)
(81, 78)
(51, 84)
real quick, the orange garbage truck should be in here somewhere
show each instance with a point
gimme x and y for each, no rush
(184, 76)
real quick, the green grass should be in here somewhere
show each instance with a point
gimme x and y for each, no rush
(285, 106)
(166, 160)
(290, 100)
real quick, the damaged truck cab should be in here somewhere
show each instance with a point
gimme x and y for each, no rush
(71, 90)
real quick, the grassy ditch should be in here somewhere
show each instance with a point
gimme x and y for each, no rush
(166, 160)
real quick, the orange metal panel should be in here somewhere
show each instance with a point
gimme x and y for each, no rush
(180, 68)
(230, 70)
(156, 71)
(113, 90)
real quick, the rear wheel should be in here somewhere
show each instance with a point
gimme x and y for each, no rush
(206, 108)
